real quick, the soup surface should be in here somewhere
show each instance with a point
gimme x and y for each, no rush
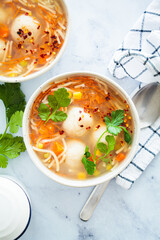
(80, 127)
(32, 33)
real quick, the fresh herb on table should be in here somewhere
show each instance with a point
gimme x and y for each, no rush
(55, 102)
(14, 102)
(113, 127)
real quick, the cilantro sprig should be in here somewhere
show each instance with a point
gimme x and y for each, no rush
(14, 102)
(113, 127)
(51, 111)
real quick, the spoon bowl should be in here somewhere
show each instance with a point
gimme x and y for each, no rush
(147, 102)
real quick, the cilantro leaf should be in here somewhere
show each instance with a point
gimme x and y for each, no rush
(102, 147)
(87, 153)
(59, 116)
(107, 120)
(3, 161)
(62, 97)
(114, 129)
(12, 97)
(15, 121)
(113, 124)
(44, 111)
(111, 143)
(117, 117)
(53, 103)
(12, 147)
(127, 136)
(89, 165)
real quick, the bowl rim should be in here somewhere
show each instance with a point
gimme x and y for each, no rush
(92, 181)
(46, 69)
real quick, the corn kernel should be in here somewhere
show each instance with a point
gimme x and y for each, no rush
(30, 14)
(40, 145)
(13, 75)
(98, 153)
(46, 155)
(81, 175)
(23, 63)
(108, 167)
(127, 125)
(77, 95)
(129, 117)
(96, 173)
(70, 94)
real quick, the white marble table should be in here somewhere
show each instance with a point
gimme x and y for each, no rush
(98, 26)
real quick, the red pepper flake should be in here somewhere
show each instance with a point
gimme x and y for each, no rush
(87, 128)
(125, 101)
(53, 37)
(80, 111)
(79, 119)
(98, 126)
(81, 126)
(85, 110)
(26, 51)
(19, 45)
(43, 55)
(41, 48)
(38, 27)
(26, 13)
(4, 49)
(61, 132)
(25, 36)
(95, 110)
(108, 97)
(46, 42)
(46, 32)
(29, 33)
(110, 154)
(31, 51)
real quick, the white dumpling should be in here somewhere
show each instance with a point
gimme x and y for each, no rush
(74, 154)
(28, 25)
(77, 121)
(2, 49)
(98, 132)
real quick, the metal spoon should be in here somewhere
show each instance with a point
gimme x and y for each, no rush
(147, 102)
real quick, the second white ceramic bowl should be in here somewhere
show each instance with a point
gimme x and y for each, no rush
(92, 181)
(46, 69)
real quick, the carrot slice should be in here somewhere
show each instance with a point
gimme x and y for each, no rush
(58, 148)
(4, 31)
(120, 157)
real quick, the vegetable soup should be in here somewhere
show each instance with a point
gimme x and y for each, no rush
(80, 127)
(32, 33)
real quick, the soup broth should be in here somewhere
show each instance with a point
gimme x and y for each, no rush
(32, 33)
(61, 146)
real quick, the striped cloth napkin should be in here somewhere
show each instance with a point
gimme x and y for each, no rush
(139, 58)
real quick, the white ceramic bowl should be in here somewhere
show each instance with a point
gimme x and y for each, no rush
(95, 180)
(38, 73)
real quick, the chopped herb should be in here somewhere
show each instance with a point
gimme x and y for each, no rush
(113, 126)
(14, 101)
(59, 99)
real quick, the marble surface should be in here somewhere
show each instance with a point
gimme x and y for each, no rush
(98, 26)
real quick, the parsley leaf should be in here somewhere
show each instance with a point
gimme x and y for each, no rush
(127, 136)
(59, 116)
(89, 165)
(113, 124)
(12, 97)
(111, 143)
(44, 111)
(3, 161)
(102, 147)
(59, 99)
(15, 121)
(12, 147)
(52, 101)
(62, 97)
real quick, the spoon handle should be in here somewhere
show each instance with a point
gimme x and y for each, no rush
(92, 201)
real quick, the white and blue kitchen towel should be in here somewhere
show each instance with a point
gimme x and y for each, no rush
(139, 58)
